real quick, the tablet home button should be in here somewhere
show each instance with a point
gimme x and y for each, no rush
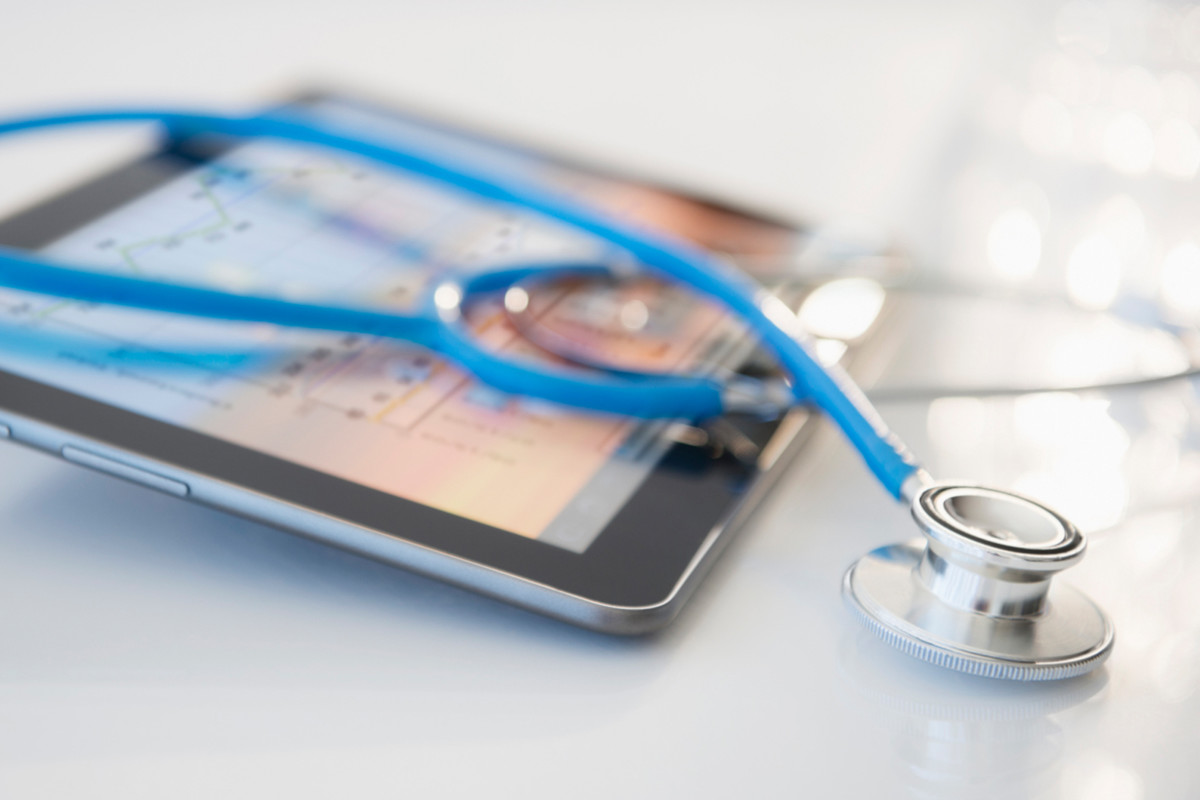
(122, 470)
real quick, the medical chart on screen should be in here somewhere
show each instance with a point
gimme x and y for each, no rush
(271, 219)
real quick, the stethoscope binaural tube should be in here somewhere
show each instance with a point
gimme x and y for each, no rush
(972, 597)
(828, 388)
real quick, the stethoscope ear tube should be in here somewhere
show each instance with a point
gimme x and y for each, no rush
(832, 391)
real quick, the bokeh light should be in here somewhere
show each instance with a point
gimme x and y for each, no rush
(1014, 244)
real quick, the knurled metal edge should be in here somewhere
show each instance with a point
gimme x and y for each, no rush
(970, 665)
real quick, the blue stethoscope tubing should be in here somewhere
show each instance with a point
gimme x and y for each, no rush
(665, 396)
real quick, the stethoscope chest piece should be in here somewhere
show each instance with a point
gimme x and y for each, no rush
(975, 595)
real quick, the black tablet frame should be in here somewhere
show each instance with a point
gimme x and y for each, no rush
(638, 560)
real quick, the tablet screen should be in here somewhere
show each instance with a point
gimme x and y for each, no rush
(306, 224)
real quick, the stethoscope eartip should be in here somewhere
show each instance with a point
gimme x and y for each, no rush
(975, 595)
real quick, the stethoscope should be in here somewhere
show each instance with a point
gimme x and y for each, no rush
(975, 595)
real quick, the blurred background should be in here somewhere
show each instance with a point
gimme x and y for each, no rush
(1035, 162)
(794, 105)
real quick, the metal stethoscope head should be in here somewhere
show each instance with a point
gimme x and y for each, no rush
(976, 597)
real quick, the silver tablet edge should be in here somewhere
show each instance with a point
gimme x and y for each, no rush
(396, 551)
(780, 451)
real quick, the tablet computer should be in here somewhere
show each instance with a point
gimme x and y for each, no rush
(367, 444)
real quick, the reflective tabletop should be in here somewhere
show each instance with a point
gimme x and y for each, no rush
(1020, 150)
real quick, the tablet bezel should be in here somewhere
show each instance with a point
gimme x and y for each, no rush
(682, 502)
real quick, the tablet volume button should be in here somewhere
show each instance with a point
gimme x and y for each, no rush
(122, 470)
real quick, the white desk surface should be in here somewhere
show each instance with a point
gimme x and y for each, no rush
(150, 648)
